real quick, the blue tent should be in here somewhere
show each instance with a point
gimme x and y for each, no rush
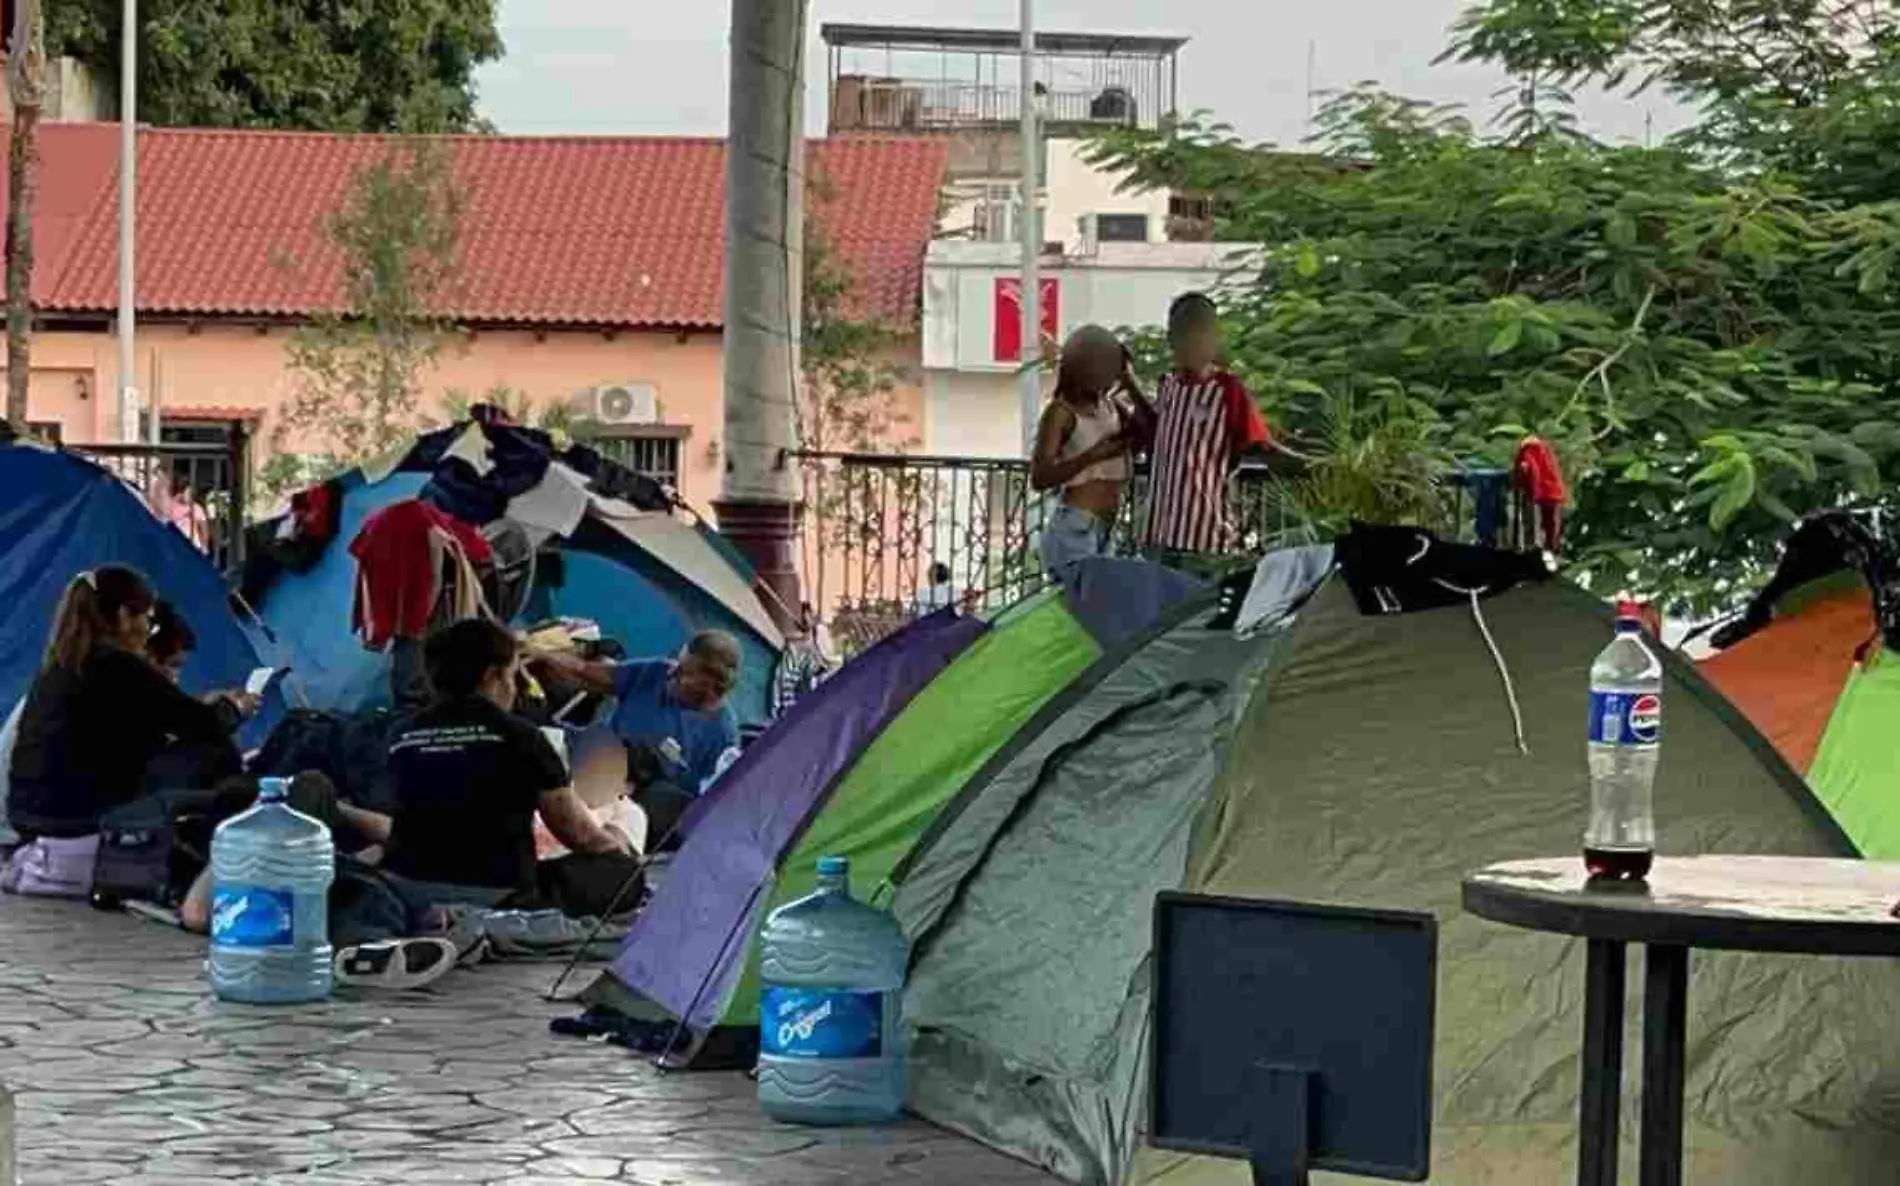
(61, 515)
(650, 579)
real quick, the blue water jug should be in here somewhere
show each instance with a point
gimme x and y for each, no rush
(830, 1030)
(271, 869)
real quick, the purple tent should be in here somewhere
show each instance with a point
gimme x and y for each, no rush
(679, 954)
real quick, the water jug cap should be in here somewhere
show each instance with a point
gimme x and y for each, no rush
(1629, 609)
(273, 790)
(834, 866)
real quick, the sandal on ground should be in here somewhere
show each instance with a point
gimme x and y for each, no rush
(395, 963)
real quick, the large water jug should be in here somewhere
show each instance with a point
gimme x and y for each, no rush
(831, 1034)
(271, 869)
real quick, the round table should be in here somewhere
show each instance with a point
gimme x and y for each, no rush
(1794, 905)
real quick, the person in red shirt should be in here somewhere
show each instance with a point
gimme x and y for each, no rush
(1206, 419)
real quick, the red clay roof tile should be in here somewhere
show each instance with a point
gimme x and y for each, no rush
(594, 231)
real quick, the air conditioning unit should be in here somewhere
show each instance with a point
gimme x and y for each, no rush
(626, 403)
(1088, 229)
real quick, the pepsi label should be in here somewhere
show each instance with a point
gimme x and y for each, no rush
(1625, 718)
(821, 1023)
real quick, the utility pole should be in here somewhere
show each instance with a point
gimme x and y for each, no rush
(758, 499)
(26, 86)
(1029, 379)
(129, 224)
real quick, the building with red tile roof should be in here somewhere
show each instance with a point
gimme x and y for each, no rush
(583, 261)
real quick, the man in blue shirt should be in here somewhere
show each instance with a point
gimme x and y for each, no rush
(672, 715)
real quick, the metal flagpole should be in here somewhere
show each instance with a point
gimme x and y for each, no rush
(1029, 379)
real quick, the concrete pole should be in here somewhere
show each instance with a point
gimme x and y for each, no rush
(1029, 379)
(758, 500)
(129, 220)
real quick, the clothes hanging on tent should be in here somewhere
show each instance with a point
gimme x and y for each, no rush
(518, 460)
(293, 543)
(1394, 570)
(402, 554)
(1541, 478)
(554, 507)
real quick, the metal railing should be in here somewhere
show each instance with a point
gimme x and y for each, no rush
(920, 106)
(876, 524)
(201, 488)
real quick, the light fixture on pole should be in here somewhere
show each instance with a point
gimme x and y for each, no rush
(1029, 224)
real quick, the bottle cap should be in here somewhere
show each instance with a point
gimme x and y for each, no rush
(1628, 608)
(273, 790)
(834, 866)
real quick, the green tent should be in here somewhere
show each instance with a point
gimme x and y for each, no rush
(1812, 661)
(1371, 760)
(862, 767)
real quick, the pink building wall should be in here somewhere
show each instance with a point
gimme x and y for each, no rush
(225, 366)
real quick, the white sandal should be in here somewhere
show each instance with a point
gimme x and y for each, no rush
(395, 964)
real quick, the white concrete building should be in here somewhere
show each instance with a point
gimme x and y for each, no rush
(971, 349)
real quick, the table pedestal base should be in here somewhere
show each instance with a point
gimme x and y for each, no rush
(1665, 1027)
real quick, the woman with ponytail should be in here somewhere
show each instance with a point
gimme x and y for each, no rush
(100, 710)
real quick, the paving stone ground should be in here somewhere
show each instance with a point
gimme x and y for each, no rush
(126, 1071)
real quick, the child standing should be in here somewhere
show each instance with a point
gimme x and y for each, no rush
(1082, 447)
(1207, 419)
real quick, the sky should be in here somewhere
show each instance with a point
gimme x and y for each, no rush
(652, 67)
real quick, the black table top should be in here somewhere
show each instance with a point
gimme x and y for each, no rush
(1799, 905)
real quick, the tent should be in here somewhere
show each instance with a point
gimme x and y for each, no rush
(60, 515)
(648, 575)
(1352, 754)
(862, 765)
(1814, 668)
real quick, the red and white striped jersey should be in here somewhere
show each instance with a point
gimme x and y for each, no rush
(1205, 421)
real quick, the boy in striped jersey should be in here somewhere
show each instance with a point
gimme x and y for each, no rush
(1206, 421)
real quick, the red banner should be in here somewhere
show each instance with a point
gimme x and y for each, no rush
(1009, 314)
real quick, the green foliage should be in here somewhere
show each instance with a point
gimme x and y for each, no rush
(847, 358)
(358, 372)
(1711, 350)
(368, 65)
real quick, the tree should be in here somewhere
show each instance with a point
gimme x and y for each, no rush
(358, 370)
(1801, 87)
(1713, 351)
(26, 83)
(369, 66)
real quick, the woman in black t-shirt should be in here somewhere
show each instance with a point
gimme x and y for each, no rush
(100, 710)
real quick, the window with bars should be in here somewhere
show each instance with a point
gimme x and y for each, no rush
(654, 454)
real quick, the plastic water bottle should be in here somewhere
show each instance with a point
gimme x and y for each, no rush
(830, 1034)
(1625, 741)
(271, 869)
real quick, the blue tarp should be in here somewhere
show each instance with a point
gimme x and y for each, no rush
(609, 579)
(60, 516)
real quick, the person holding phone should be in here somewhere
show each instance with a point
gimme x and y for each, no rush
(1085, 446)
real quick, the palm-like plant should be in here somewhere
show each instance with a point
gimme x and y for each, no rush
(1370, 459)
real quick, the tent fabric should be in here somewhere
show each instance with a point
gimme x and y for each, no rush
(1361, 759)
(922, 758)
(1029, 913)
(61, 515)
(1367, 715)
(1119, 599)
(681, 547)
(1857, 772)
(678, 951)
(1787, 675)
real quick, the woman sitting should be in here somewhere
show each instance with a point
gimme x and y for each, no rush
(100, 711)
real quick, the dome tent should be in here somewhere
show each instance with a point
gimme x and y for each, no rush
(61, 515)
(1812, 662)
(1348, 755)
(646, 573)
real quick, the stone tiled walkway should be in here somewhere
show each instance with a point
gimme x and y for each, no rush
(127, 1072)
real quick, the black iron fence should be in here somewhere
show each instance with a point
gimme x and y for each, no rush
(201, 488)
(876, 525)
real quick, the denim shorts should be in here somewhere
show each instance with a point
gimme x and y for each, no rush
(1072, 534)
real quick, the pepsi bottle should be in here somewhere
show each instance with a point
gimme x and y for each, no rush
(1625, 742)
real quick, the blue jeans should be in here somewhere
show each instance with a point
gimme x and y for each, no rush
(1070, 535)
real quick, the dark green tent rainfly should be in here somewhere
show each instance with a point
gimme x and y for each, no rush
(1367, 759)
